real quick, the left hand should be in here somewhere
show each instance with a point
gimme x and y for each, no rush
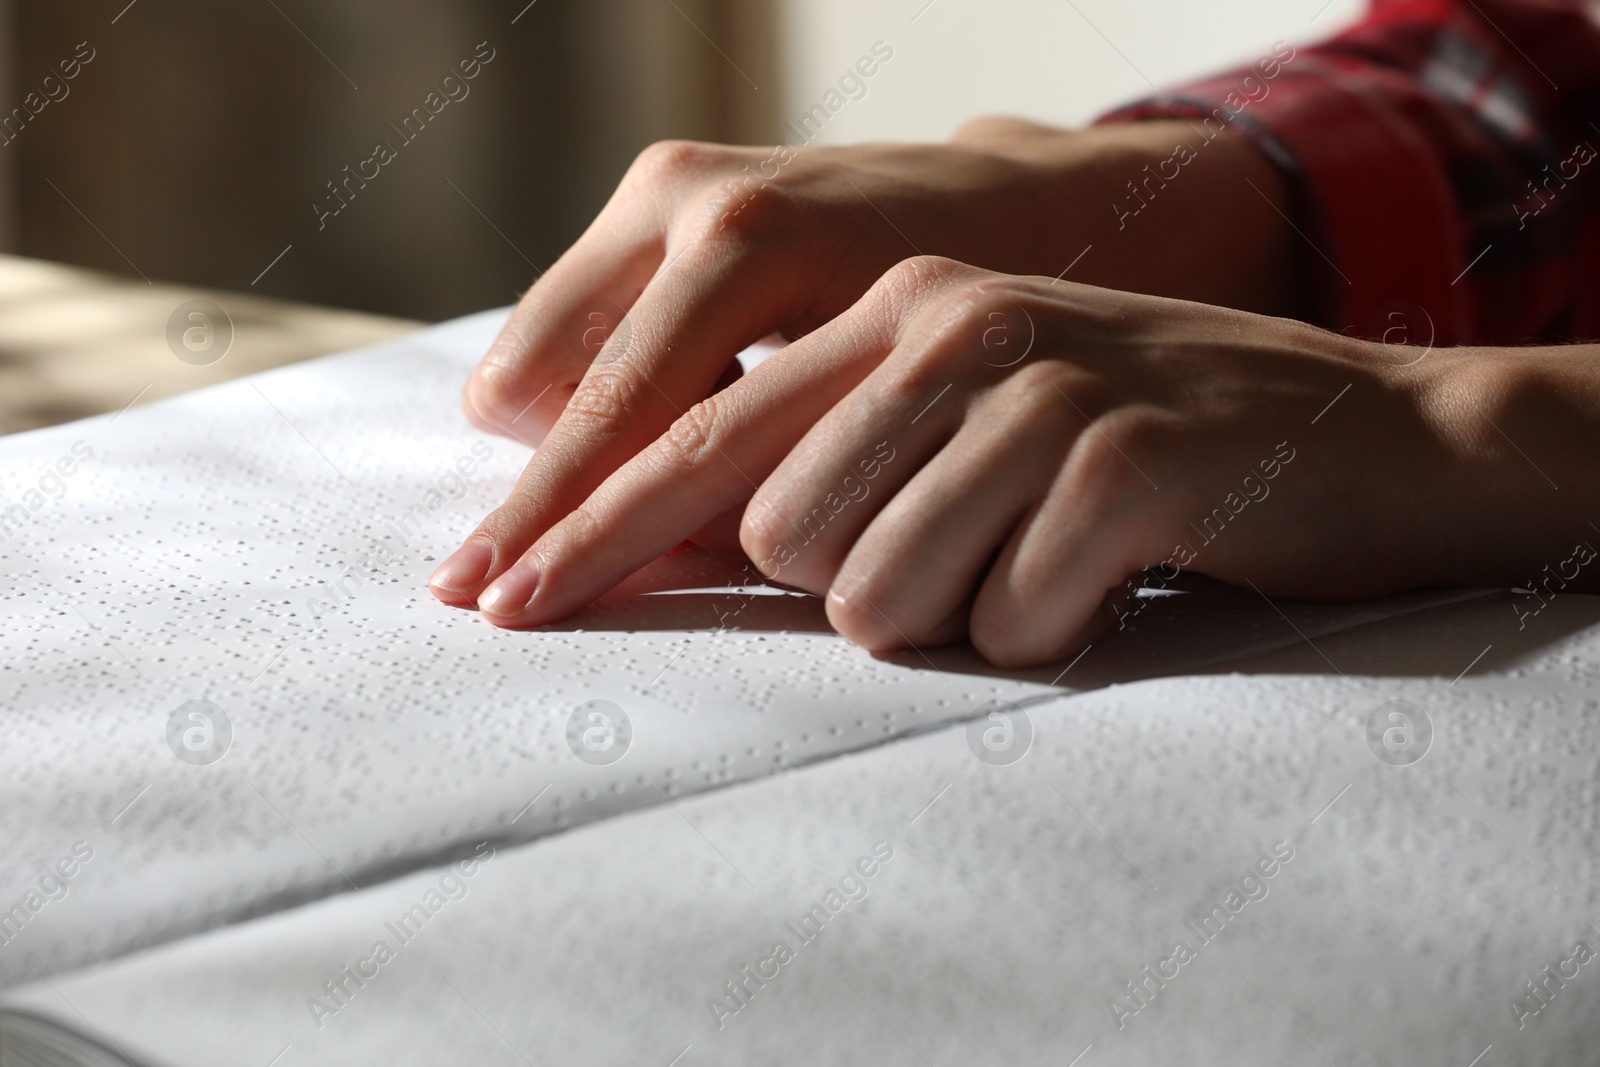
(964, 453)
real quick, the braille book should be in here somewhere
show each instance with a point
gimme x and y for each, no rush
(265, 801)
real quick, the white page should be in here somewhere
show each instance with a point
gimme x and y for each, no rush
(1019, 899)
(192, 558)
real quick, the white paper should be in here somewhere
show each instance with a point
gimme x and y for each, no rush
(1018, 903)
(218, 547)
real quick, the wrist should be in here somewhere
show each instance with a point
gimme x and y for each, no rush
(1162, 210)
(1516, 431)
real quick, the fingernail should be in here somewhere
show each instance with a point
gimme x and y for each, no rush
(465, 569)
(511, 593)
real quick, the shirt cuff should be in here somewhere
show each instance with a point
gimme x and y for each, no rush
(1371, 199)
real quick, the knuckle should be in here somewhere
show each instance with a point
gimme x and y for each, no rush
(1113, 455)
(1037, 399)
(693, 437)
(1140, 434)
(965, 327)
(910, 278)
(940, 356)
(609, 398)
(580, 526)
(670, 160)
(507, 526)
(1038, 389)
(750, 210)
(967, 307)
(997, 129)
(924, 374)
(1005, 336)
(1036, 429)
(984, 128)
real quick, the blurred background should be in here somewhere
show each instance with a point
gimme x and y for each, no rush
(203, 145)
(192, 147)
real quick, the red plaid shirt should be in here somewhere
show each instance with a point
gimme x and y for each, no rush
(1445, 162)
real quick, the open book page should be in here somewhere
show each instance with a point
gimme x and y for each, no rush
(228, 692)
(1198, 870)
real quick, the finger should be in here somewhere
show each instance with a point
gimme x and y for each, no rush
(559, 327)
(708, 462)
(911, 576)
(580, 304)
(1048, 592)
(686, 328)
(867, 447)
(721, 534)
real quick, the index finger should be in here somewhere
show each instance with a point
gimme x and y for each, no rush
(704, 307)
(558, 327)
(709, 461)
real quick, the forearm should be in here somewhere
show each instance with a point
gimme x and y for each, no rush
(1162, 210)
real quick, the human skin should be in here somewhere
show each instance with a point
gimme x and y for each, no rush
(1048, 437)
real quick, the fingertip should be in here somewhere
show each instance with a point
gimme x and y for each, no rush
(502, 399)
(868, 623)
(507, 599)
(458, 579)
(1026, 647)
(854, 616)
(474, 417)
(490, 395)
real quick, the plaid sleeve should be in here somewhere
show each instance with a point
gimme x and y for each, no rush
(1442, 158)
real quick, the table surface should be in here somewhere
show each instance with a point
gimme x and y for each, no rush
(76, 342)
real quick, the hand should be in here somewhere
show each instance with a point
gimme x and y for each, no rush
(708, 248)
(968, 453)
